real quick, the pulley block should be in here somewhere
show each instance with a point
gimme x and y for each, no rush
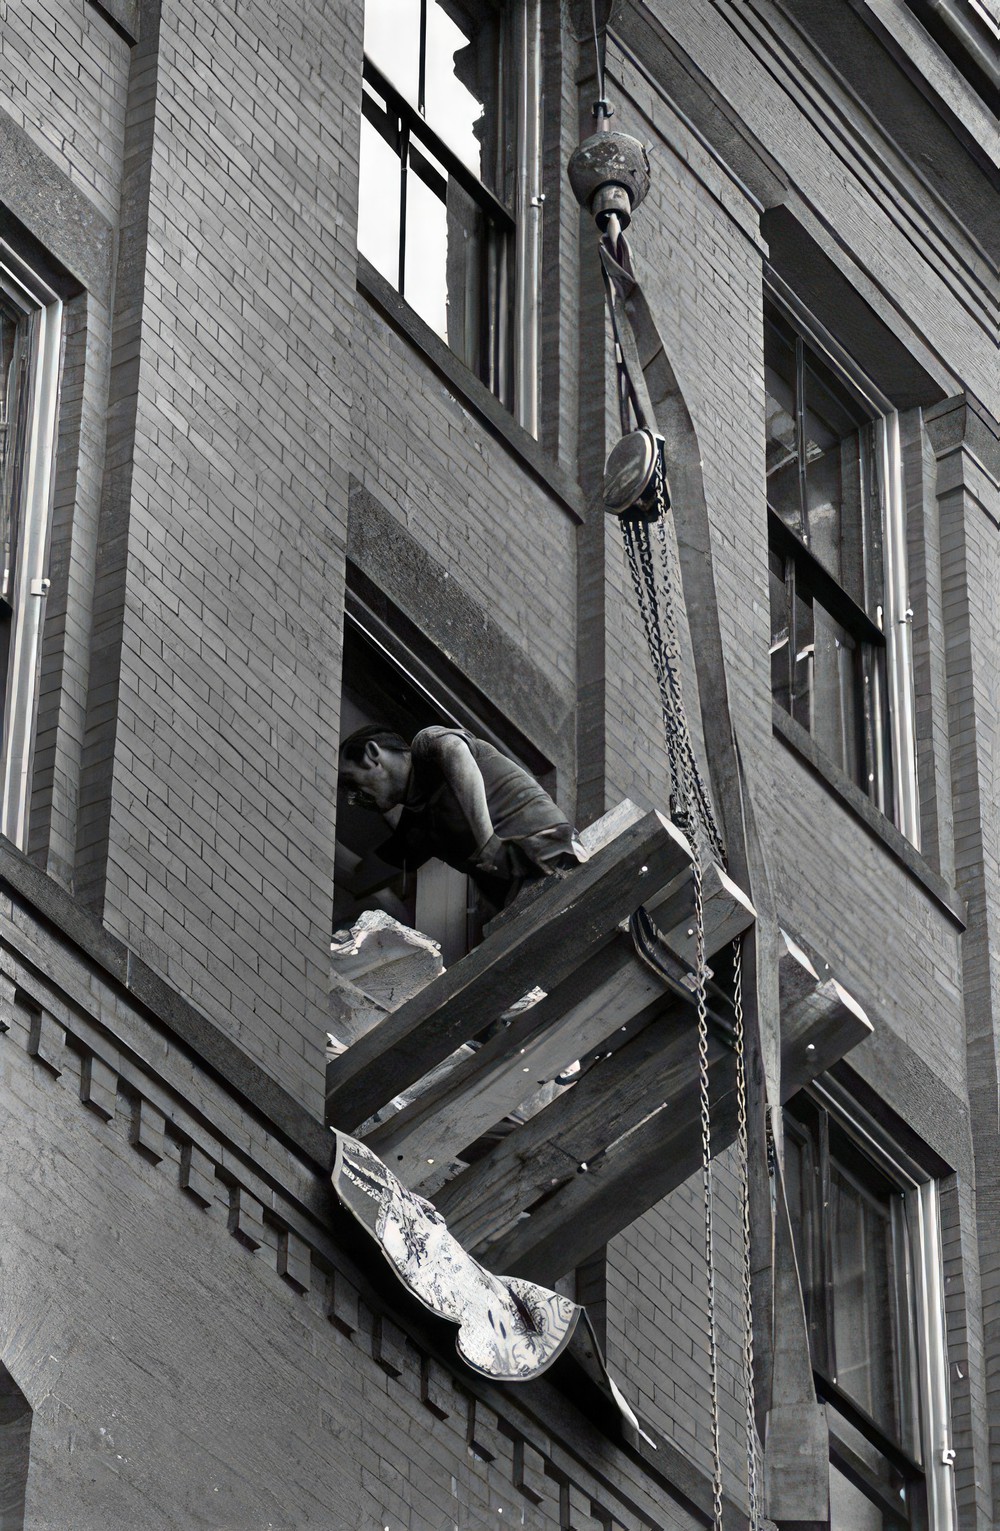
(635, 480)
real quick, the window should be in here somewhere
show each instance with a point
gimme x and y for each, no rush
(867, 1232)
(30, 337)
(439, 173)
(387, 680)
(840, 651)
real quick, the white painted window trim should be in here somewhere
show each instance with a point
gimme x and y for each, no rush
(896, 623)
(922, 1206)
(896, 617)
(25, 291)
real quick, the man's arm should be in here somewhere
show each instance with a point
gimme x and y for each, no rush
(465, 779)
(362, 875)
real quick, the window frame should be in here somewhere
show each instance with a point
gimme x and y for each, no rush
(27, 292)
(405, 132)
(923, 1253)
(510, 370)
(890, 767)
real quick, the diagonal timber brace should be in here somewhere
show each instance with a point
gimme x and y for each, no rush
(819, 1024)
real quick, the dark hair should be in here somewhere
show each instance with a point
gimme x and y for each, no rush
(353, 747)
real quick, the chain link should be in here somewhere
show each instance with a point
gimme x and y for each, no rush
(707, 1181)
(657, 594)
(743, 1160)
(690, 805)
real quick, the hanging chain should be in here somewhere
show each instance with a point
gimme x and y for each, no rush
(707, 1178)
(743, 1160)
(690, 802)
(657, 585)
(670, 576)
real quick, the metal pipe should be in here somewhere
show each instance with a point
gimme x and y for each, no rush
(31, 581)
(530, 201)
(898, 617)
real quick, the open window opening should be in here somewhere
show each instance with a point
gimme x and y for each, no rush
(30, 348)
(840, 640)
(391, 677)
(444, 174)
(866, 1223)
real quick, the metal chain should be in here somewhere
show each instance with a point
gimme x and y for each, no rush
(657, 606)
(664, 664)
(670, 576)
(707, 1178)
(657, 592)
(743, 1160)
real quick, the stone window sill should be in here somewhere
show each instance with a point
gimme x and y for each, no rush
(840, 786)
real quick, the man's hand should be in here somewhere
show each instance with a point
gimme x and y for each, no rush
(505, 858)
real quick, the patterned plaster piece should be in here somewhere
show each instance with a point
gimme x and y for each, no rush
(509, 1329)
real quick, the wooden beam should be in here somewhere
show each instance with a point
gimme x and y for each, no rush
(633, 1175)
(820, 1021)
(609, 990)
(564, 923)
(816, 1032)
(611, 1098)
(600, 997)
(727, 913)
(818, 1027)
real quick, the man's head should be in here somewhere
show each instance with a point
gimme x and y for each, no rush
(375, 767)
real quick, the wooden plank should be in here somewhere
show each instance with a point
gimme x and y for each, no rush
(571, 916)
(615, 1094)
(816, 1032)
(633, 1175)
(639, 1170)
(604, 994)
(727, 911)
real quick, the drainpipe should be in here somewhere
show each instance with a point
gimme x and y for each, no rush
(529, 217)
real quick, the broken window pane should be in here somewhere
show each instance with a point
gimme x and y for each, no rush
(460, 76)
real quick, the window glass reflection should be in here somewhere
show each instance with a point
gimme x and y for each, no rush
(425, 273)
(392, 42)
(437, 173)
(378, 199)
(453, 95)
(15, 371)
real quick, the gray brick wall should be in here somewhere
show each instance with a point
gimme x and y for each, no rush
(66, 74)
(464, 497)
(198, 1334)
(221, 825)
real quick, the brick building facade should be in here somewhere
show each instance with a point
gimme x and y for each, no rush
(256, 477)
